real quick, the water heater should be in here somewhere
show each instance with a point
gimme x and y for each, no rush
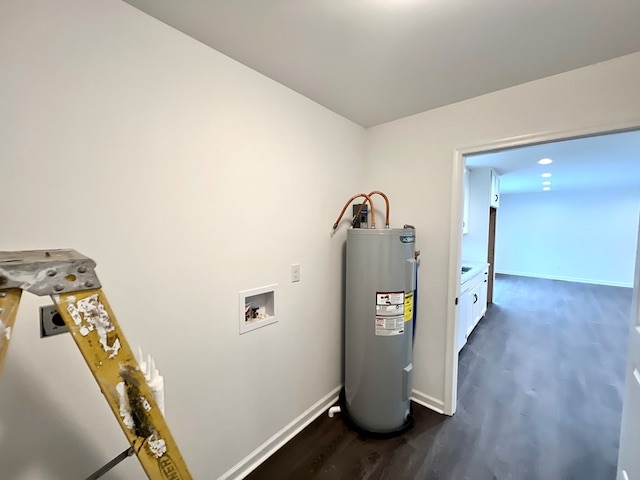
(379, 303)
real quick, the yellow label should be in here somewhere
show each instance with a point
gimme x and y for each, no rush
(408, 306)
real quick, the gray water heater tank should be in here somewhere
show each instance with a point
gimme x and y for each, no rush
(380, 285)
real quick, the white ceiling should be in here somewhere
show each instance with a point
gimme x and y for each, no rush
(374, 61)
(602, 162)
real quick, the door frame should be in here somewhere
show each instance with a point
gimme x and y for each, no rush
(491, 253)
(633, 352)
(455, 233)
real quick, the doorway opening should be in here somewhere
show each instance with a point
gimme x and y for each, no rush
(460, 156)
(541, 225)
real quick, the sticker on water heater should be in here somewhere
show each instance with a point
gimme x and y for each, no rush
(408, 306)
(389, 326)
(389, 298)
(389, 310)
(389, 303)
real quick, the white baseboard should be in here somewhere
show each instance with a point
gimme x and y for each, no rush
(428, 401)
(268, 448)
(567, 279)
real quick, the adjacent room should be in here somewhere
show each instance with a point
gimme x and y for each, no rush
(199, 153)
(562, 234)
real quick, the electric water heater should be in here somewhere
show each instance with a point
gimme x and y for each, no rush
(379, 302)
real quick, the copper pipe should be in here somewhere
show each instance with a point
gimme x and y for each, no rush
(344, 209)
(386, 201)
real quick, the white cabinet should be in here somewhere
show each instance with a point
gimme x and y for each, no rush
(474, 299)
(484, 300)
(481, 191)
(464, 314)
(472, 304)
(465, 214)
(495, 189)
(478, 302)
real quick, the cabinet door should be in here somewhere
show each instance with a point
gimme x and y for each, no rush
(483, 293)
(474, 300)
(464, 319)
(495, 189)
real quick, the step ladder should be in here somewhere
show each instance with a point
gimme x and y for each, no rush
(70, 279)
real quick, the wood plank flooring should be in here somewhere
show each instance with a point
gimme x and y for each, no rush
(539, 398)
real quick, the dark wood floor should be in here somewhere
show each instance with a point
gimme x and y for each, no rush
(539, 397)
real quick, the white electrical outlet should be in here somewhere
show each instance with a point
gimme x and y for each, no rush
(295, 272)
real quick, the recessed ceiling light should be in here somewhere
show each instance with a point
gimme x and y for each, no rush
(545, 161)
(546, 182)
(546, 175)
(546, 189)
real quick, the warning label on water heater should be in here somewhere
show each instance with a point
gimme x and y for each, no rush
(408, 306)
(390, 313)
(387, 326)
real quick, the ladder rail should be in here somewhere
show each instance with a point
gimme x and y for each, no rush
(69, 278)
(97, 334)
(9, 302)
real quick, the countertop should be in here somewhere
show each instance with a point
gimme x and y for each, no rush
(476, 268)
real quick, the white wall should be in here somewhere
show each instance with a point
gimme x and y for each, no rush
(413, 161)
(584, 236)
(188, 177)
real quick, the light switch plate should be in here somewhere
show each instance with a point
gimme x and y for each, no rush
(295, 272)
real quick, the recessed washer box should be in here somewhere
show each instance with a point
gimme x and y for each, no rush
(257, 307)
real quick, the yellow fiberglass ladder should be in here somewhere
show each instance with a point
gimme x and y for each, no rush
(70, 279)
